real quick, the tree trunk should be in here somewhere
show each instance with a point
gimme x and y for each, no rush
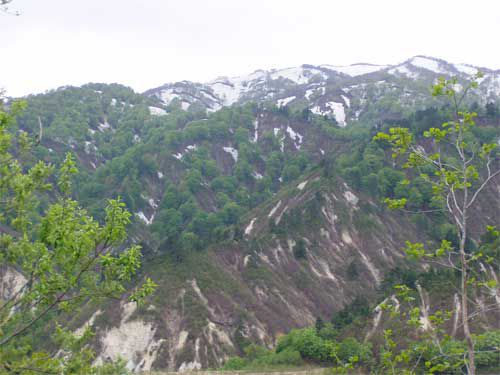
(465, 318)
(464, 289)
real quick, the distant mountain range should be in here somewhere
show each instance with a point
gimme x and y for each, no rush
(337, 91)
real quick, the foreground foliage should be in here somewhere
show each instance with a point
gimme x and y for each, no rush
(54, 257)
(305, 346)
(459, 169)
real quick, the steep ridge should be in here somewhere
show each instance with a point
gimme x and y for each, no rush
(255, 289)
(343, 92)
(246, 197)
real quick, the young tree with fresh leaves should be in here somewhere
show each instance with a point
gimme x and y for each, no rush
(459, 168)
(59, 256)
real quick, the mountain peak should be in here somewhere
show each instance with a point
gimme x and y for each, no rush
(324, 89)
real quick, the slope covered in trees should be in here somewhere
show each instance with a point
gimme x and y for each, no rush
(254, 219)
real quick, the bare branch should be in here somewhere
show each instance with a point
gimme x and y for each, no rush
(484, 184)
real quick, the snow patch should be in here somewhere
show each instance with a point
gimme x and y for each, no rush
(233, 152)
(89, 147)
(429, 64)
(249, 228)
(285, 101)
(466, 69)
(403, 70)
(338, 111)
(246, 259)
(336, 108)
(255, 130)
(274, 209)
(347, 101)
(155, 111)
(308, 93)
(229, 90)
(188, 148)
(152, 203)
(350, 197)
(356, 69)
(257, 175)
(104, 126)
(167, 96)
(317, 110)
(296, 137)
(144, 218)
(302, 185)
(298, 75)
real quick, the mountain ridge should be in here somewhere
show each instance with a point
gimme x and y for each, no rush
(299, 86)
(332, 66)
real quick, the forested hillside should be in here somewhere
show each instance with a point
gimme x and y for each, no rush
(259, 205)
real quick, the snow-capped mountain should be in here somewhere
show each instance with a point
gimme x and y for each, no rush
(342, 92)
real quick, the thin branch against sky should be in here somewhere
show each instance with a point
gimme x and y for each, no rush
(144, 44)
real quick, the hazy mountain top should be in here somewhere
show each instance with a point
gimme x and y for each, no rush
(336, 91)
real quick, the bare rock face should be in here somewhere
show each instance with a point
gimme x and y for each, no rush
(11, 282)
(262, 289)
(258, 289)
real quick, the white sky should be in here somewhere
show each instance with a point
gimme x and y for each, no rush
(146, 43)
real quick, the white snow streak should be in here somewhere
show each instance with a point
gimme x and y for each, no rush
(232, 151)
(249, 228)
(285, 101)
(356, 69)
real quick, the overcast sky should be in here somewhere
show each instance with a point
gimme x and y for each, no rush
(146, 43)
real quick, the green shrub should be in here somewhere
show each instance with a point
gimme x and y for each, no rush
(351, 348)
(449, 360)
(307, 343)
(254, 351)
(488, 349)
(235, 364)
(288, 357)
(328, 332)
